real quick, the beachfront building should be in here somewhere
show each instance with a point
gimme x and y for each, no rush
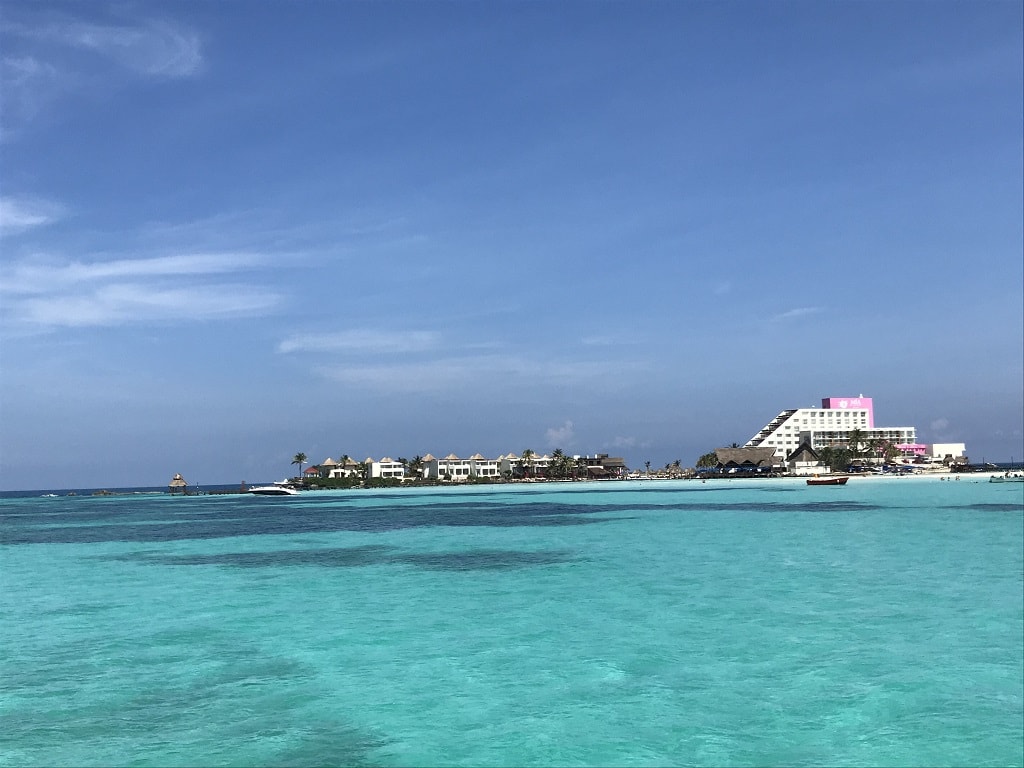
(451, 467)
(747, 460)
(178, 484)
(949, 453)
(346, 466)
(387, 468)
(514, 465)
(484, 468)
(601, 466)
(830, 426)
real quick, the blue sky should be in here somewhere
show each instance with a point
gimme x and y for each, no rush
(236, 231)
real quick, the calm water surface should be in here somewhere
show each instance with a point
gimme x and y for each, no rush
(642, 623)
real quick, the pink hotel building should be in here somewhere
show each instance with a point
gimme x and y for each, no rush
(831, 425)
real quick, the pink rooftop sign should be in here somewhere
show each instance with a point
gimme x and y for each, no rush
(852, 403)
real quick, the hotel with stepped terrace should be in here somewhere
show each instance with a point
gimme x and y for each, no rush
(831, 425)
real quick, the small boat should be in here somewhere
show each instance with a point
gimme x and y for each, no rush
(827, 480)
(1007, 478)
(277, 489)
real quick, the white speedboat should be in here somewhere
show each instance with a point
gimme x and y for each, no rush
(277, 489)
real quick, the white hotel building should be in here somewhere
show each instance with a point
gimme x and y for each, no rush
(831, 425)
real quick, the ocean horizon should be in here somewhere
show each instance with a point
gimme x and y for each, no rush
(651, 622)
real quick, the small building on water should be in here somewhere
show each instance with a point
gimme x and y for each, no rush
(178, 485)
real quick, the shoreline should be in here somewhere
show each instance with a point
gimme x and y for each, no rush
(233, 490)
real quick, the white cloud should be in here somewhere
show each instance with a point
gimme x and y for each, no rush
(45, 276)
(50, 58)
(796, 313)
(604, 340)
(48, 294)
(624, 442)
(131, 303)
(21, 214)
(151, 47)
(29, 85)
(940, 425)
(560, 437)
(368, 340)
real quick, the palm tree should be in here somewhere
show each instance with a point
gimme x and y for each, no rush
(826, 455)
(345, 458)
(580, 468)
(853, 441)
(648, 465)
(889, 451)
(558, 466)
(416, 465)
(300, 459)
(527, 461)
(709, 459)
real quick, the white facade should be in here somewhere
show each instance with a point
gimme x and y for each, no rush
(952, 450)
(451, 467)
(482, 467)
(386, 467)
(513, 465)
(344, 467)
(826, 427)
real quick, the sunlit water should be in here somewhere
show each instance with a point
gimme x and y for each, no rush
(638, 623)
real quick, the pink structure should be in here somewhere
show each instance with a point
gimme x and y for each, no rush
(860, 403)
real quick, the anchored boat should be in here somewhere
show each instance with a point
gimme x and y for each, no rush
(277, 489)
(827, 480)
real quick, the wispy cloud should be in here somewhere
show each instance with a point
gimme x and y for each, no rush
(29, 86)
(793, 314)
(366, 340)
(152, 47)
(131, 303)
(605, 340)
(626, 443)
(560, 437)
(21, 214)
(468, 373)
(47, 294)
(982, 65)
(48, 57)
(47, 275)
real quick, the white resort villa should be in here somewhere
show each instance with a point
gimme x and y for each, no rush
(455, 469)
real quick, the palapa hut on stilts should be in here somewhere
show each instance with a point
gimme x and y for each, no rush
(178, 485)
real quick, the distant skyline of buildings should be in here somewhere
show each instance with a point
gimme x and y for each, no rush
(829, 426)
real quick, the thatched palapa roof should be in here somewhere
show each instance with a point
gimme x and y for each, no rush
(753, 457)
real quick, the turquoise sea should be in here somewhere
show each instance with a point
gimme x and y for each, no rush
(652, 623)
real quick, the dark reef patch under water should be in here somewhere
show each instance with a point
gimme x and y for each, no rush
(121, 520)
(357, 557)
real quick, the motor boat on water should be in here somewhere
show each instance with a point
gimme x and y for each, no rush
(1009, 477)
(281, 488)
(827, 480)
